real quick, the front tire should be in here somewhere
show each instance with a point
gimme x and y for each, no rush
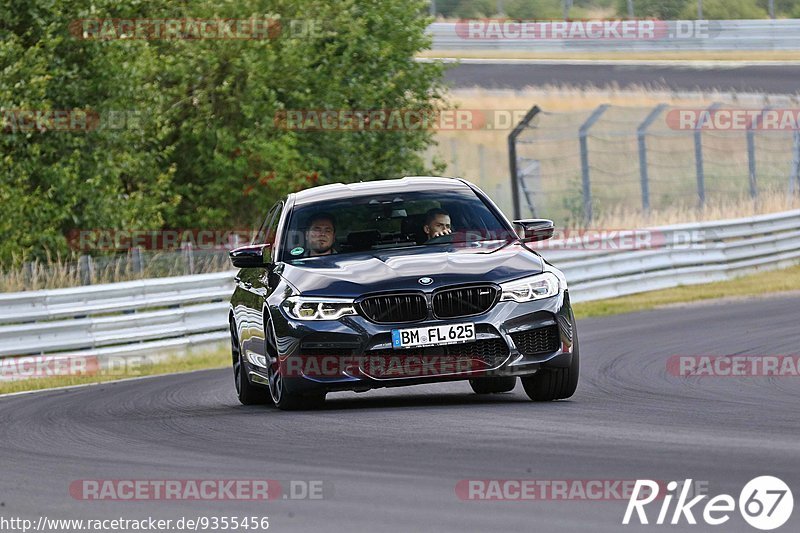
(248, 393)
(550, 384)
(493, 385)
(280, 389)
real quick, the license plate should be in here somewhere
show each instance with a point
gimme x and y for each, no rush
(433, 335)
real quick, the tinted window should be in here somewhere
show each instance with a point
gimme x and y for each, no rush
(266, 233)
(382, 222)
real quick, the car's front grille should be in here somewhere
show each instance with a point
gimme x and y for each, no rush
(432, 360)
(537, 341)
(392, 308)
(464, 301)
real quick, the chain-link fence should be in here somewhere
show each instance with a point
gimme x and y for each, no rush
(576, 166)
(133, 264)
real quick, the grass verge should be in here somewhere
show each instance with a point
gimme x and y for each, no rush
(201, 360)
(776, 281)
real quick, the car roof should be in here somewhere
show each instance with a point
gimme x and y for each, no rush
(336, 191)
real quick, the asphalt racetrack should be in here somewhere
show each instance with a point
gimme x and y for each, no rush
(778, 79)
(390, 460)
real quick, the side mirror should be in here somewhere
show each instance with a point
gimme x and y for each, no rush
(536, 229)
(254, 256)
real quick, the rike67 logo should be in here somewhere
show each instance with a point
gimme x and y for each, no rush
(766, 503)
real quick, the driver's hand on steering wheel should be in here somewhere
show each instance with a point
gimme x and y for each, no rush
(445, 231)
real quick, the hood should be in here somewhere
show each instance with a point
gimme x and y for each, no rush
(351, 275)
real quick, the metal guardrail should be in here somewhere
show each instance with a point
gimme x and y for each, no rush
(117, 319)
(682, 254)
(165, 314)
(673, 35)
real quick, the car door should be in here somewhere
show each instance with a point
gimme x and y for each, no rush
(253, 287)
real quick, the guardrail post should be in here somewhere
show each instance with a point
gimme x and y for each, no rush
(85, 269)
(698, 156)
(512, 157)
(751, 153)
(587, 184)
(641, 133)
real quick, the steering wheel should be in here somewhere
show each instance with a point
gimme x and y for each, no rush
(441, 239)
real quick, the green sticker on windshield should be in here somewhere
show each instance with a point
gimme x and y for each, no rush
(297, 251)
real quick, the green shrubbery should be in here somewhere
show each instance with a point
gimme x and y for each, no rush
(200, 149)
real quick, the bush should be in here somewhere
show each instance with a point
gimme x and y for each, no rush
(534, 9)
(661, 9)
(726, 9)
(205, 151)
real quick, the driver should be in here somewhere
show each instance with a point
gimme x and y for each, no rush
(437, 223)
(321, 234)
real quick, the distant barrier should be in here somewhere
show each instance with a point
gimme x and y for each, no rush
(647, 36)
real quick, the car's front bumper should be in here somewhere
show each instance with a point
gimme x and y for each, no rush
(353, 353)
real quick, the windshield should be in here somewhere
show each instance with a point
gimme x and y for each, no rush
(381, 222)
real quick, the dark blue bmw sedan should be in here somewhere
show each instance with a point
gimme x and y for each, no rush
(398, 282)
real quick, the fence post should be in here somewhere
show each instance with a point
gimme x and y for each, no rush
(641, 132)
(454, 157)
(566, 5)
(512, 157)
(85, 269)
(482, 162)
(751, 153)
(188, 257)
(794, 176)
(28, 271)
(587, 184)
(698, 155)
(137, 265)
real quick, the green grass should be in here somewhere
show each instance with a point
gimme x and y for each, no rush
(753, 285)
(217, 358)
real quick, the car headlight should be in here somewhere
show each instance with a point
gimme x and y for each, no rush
(532, 288)
(303, 308)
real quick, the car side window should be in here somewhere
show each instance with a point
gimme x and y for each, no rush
(272, 229)
(266, 233)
